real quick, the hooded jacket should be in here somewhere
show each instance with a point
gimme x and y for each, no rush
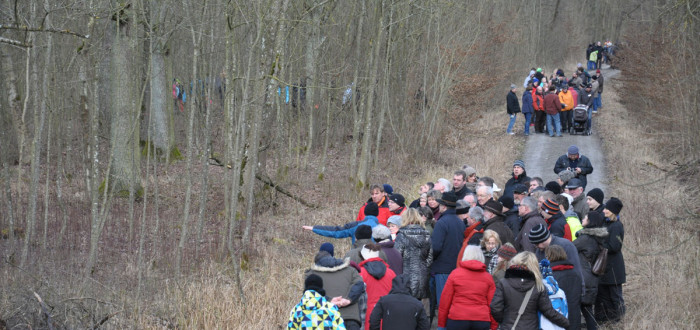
(377, 277)
(413, 243)
(568, 99)
(346, 230)
(467, 294)
(570, 281)
(510, 293)
(314, 311)
(354, 253)
(588, 244)
(399, 310)
(537, 100)
(339, 279)
(522, 241)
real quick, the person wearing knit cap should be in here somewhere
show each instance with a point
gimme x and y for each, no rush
(394, 224)
(382, 235)
(328, 247)
(518, 176)
(512, 108)
(388, 189)
(553, 186)
(564, 177)
(576, 163)
(541, 237)
(610, 305)
(556, 222)
(510, 213)
(363, 235)
(348, 229)
(314, 311)
(446, 241)
(499, 263)
(396, 204)
(594, 199)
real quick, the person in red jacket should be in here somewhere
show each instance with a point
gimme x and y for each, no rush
(552, 106)
(378, 196)
(467, 295)
(538, 105)
(377, 277)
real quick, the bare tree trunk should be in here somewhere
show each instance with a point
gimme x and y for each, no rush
(385, 87)
(8, 122)
(355, 96)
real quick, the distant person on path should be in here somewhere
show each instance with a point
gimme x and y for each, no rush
(567, 100)
(538, 104)
(513, 108)
(593, 59)
(528, 79)
(528, 109)
(575, 162)
(552, 107)
(586, 98)
(594, 90)
(599, 99)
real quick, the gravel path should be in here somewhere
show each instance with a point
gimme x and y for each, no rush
(542, 151)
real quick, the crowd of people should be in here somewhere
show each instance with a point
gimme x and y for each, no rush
(473, 256)
(548, 103)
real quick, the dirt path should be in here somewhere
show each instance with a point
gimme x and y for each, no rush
(542, 151)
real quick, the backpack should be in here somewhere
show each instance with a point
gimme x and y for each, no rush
(558, 299)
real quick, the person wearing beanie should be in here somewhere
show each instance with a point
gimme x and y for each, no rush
(363, 236)
(556, 222)
(510, 214)
(610, 305)
(512, 108)
(396, 205)
(314, 311)
(499, 263)
(328, 247)
(394, 224)
(379, 197)
(553, 186)
(576, 163)
(334, 278)
(377, 276)
(446, 241)
(541, 237)
(552, 107)
(348, 229)
(594, 200)
(382, 235)
(564, 177)
(518, 176)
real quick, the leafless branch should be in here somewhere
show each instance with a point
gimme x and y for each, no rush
(25, 28)
(15, 43)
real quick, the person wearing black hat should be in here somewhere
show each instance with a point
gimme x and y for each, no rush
(510, 212)
(446, 241)
(541, 237)
(575, 162)
(520, 191)
(314, 311)
(594, 199)
(398, 309)
(610, 306)
(396, 204)
(519, 176)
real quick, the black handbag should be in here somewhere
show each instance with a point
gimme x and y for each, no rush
(600, 262)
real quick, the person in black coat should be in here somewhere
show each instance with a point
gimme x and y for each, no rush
(569, 280)
(588, 243)
(519, 176)
(512, 107)
(398, 310)
(511, 214)
(610, 306)
(574, 162)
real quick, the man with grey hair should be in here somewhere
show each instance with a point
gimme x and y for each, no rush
(475, 217)
(530, 215)
(484, 194)
(470, 198)
(443, 185)
(579, 204)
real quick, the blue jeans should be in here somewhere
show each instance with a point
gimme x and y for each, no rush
(511, 123)
(467, 325)
(553, 120)
(589, 123)
(591, 65)
(440, 281)
(528, 118)
(598, 101)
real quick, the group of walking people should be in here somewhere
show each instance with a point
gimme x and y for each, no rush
(470, 255)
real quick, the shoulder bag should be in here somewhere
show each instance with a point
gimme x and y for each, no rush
(600, 262)
(523, 305)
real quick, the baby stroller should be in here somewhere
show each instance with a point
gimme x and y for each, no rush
(580, 120)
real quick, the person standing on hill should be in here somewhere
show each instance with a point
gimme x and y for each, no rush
(594, 90)
(552, 107)
(398, 310)
(610, 306)
(377, 277)
(567, 100)
(599, 100)
(379, 197)
(586, 98)
(527, 108)
(574, 162)
(513, 108)
(531, 217)
(459, 184)
(538, 104)
(348, 230)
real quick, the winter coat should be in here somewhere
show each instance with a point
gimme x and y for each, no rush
(528, 78)
(552, 106)
(568, 99)
(346, 230)
(384, 212)
(393, 256)
(462, 192)
(574, 95)
(615, 268)
(512, 105)
(580, 206)
(510, 293)
(594, 88)
(399, 310)
(527, 102)
(522, 179)
(588, 243)
(573, 222)
(339, 279)
(314, 311)
(537, 101)
(522, 241)
(571, 253)
(558, 227)
(413, 242)
(467, 294)
(446, 241)
(377, 276)
(601, 80)
(586, 98)
(570, 281)
(563, 162)
(513, 222)
(354, 253)
(498, 225)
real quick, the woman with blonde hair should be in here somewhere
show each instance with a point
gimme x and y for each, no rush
(521, 294)
(413, 243)
(468, 292)
(489, 245)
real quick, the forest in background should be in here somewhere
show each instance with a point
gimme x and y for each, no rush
(102, 171)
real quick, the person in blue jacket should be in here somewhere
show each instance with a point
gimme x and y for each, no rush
(348, 229)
